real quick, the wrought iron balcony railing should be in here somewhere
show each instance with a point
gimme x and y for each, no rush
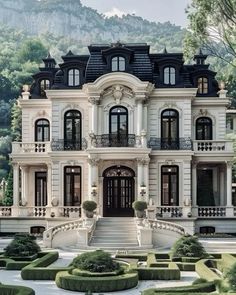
(170, 144)
(114, 140)
(69, 145)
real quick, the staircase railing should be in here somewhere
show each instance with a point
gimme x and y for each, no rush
(161, 224)
(84, 227)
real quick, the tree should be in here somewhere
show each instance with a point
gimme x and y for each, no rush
(231, 277)
(213, 27)
(8, 197)
(32, 50)
(16, 124)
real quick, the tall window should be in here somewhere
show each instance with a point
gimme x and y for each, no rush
(202, 84)
(40, 188)
(42, 130)
(170, 129)
(72, 130)
(169, 185)
(118, 129)
(118, 64)
(204, 128)
(73, 77)
(44, 85)
(72, 186)
(169, 76)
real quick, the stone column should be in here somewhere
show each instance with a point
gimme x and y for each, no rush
(16, 184)
(139, 117)
(93, 179)
(194, 183)
(143, 178)
(24, 185)
(49, 185)
(229, 209)
(222, 186)
(94, 114)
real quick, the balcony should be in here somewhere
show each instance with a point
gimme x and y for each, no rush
(213, 146)
(69, 145)
(114, 140)
(31, 147)
(170, 144)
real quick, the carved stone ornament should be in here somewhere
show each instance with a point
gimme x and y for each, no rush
(94, 100)
(93, 161)
(143, 161)
(54, 202)
(118, 92)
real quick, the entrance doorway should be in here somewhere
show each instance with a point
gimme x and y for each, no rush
(118, 191)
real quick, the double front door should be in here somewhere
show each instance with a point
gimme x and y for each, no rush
(118, 191)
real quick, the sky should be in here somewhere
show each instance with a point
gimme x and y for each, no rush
(153, 10)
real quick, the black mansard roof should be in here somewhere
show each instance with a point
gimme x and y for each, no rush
(138, 62)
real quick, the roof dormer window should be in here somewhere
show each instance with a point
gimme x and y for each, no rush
(118, 64)
(44, 85)
(202, 84)
(169, 76)
(73, 77)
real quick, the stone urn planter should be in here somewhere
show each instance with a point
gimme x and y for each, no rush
(139, 208)
(89, 207)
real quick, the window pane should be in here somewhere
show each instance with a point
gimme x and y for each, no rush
(121, 64)
(114, 66)
(166, 76)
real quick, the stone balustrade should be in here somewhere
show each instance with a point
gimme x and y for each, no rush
(213, 146)
(31, 147)
(169, 211)
(207, 211)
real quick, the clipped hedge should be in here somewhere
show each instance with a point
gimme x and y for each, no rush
(84, 273)
(226, 261)
(200, 288)
(139, 257)
(96, 284)
(15, 290)
(10, 264)
(158, 273)
(186, 266)
(202, 268)
(37, 270)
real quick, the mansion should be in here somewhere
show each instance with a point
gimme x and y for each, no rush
(118, 125)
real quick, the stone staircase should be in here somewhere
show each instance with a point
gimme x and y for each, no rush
(115, 233)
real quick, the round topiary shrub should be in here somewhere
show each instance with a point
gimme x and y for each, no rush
(22, 246)
(188, 246)
(139, 205)
(230, 277)
(89, 206)
(96, 261)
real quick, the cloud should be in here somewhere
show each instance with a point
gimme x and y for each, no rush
(114, 11)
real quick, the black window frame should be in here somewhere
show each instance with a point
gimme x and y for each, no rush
(46, 86)
(169, 173)
(201, 82)
(72, 174)
(118, 63)
(203, 125)
(170, 140)
(73, 75)
(73, 143)
(169, 74)
(43, 126)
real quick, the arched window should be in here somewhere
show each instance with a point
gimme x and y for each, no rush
(170, 129)
(169, 76)
(169, 186)
(73, 77)
(44, 85)
(118, 126)
(118, 64)
(204, 128)
(72, 130)
(72, 186)
(202, 84)
(42, 130)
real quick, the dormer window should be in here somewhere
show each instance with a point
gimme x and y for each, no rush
(44, 85)
(202, 84)
(118, 64)
(73, 77)
(169, 76)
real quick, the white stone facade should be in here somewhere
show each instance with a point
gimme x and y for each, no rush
(145, 105)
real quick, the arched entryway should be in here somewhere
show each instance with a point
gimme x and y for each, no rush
(118, 191)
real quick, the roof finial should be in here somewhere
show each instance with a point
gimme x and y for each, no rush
(165, 50)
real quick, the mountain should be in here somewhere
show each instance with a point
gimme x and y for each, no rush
(71, 20)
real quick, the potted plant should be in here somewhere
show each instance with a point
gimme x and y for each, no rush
(89, 207)
(139, 207)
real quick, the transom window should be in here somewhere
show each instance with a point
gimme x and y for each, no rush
(169, 76)
(202, 84)
(73, 77)
(204, 128)
(44, 85)
(118, 64)
(42, 130)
